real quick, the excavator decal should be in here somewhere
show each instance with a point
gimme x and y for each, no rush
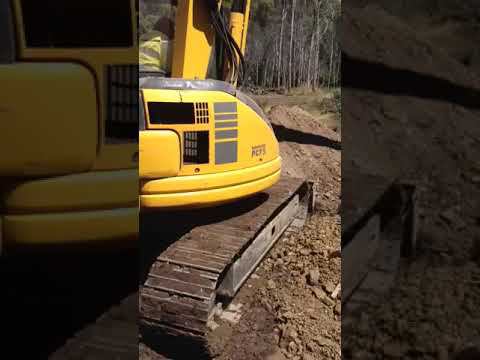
(259, 150)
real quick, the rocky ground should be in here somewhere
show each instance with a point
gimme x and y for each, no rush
(290, 308)
(433, 311)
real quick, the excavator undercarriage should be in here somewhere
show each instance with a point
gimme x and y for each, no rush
(208, 256)
(191, 260)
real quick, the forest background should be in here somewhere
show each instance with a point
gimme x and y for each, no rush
(291, 43)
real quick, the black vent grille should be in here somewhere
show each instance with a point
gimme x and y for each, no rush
(195, 147)
(122, 101)
(201, 113)
(171, 113)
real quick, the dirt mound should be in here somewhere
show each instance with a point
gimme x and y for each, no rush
(369, 33)
(286, 311)
(412, 133)
(306, 309)
(328, 105)
(448, 25)
(309, 150)
(436, 144)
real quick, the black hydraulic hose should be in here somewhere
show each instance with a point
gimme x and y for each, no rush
(228, 43)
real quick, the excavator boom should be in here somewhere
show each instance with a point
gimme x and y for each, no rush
(199, 24)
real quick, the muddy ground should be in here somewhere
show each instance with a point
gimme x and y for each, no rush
(286, 309)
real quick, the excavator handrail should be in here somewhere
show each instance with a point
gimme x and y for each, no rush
(153, 82)
(150, 81)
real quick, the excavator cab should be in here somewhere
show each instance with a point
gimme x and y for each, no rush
(156, 37)
(202, 142)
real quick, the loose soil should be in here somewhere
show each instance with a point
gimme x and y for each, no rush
(286, 312)
(432, 312)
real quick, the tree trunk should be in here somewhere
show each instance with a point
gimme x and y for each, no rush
(291, 45)
(313, 37)
(280, 57)
(330, 65)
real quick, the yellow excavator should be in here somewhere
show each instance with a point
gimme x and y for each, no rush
(68, 122)
(203, 143)
(216, 144)
(74, 128)
(74, 168)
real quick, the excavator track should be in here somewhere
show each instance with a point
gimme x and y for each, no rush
(214, 258)
(379, 226)
(112, 336)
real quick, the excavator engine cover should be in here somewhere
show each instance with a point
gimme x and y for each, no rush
(207, 144)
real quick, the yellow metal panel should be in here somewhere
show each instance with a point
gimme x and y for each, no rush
(49, 121)
(159, 95)
(159, 154)
(252, 130)
(236, 29)
(117, 156)
(92, 190)
(74, 227)
(208, 197)
(246, 21)
(244, 156)
(212, 181)
(95, 59)
(194, 38)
